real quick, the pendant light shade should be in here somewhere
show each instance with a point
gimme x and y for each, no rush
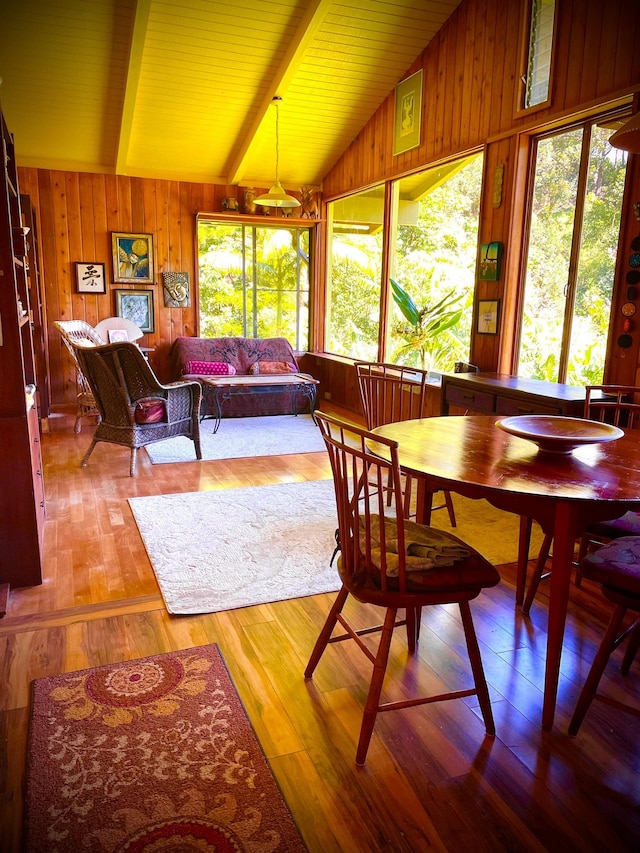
(628, 136)
(277, 197)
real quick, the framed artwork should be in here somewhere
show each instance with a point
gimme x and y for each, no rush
(488, 310)
(116, 335)
(176, 289)
(137, 306)
(90, 278)
(489, 266)
(132, 258)
(408, 114)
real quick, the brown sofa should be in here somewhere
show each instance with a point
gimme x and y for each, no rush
(190, 355)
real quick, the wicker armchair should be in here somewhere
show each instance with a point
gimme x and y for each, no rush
(73, 331)
(135, 408)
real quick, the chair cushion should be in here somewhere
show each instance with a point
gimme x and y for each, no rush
(616, 565)
(627, 525)
(271, 367)
(209, 368)
(425, 547)
(150, 412)
(457, 567)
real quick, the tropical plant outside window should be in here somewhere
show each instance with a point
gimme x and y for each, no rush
(575, 207)
(434, 234)
(254, 281)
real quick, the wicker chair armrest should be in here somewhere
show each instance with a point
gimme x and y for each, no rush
(182, 398)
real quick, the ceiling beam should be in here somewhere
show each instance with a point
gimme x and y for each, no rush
(313, 17)
(138, 37)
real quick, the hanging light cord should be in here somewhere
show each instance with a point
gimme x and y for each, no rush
(277, 106)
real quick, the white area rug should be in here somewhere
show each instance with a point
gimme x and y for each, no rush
(233, 548)
(239, 437)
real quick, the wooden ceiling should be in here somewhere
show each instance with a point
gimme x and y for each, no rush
(183, 90)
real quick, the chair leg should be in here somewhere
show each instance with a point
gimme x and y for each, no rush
(406, 509)
(590, 687)
(450, 509)
(476, 668)
(543, 556)
(375, 688)
(134, 459)
(86, 456)
(326, 632)
(524, 541)
(414, 615)
(632, 649)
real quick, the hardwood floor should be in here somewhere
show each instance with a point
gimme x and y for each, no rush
(432, 780)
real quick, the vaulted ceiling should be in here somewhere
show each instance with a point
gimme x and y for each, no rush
(183, 89)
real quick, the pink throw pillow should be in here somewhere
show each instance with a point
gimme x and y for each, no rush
(264, 367)
(209, 368)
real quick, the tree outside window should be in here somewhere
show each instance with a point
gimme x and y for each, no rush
(575, 207)
(254, 281)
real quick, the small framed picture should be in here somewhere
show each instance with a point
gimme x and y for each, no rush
(488, 311)
(132, 258)
(137, 306)
(90, 277)
(116, 335)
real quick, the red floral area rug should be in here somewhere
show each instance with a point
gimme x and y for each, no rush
(151, 755)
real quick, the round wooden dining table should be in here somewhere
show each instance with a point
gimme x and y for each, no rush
(565, 493)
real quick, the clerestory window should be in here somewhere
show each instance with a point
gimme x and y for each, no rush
(537, 74)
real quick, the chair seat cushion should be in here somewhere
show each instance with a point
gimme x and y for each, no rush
(437, 562)
(627, 525)
(150, 412)
(425, 547)
(616, 565)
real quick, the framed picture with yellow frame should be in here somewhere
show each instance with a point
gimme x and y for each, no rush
(132, 258)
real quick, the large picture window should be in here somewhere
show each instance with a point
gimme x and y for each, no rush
(354, 270)
(574, 214)
(253, 281)
(433, 259)
(432, 246)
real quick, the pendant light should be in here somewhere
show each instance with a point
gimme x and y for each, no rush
(628, 136)
(277, 197)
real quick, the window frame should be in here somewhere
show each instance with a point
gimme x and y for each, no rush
(275, 222)
(514, 294)
(521, 107)
(389, 234)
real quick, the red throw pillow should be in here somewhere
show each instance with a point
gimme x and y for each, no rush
(150, 412)
(209, 368)
(263, 367)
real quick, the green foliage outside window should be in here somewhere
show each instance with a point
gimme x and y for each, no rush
(435, 240)
(254, 281)
(552, 312)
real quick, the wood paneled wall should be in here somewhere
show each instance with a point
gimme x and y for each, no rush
(471, 79)
(471, 74)
(77, 214)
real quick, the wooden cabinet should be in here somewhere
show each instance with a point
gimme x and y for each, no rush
(500, 394)
(22, 503)
(37, 306)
